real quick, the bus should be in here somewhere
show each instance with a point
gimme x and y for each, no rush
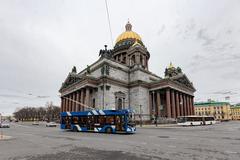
(102, 121)
(195, 120)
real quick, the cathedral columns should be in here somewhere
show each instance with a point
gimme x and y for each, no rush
(158, 104)
(189, 107)
(63, 104)
(153, 104)
(150, 104)
(185, 105)
(78, 100)
(70, 102)
(187, 111)
(181, 105)
(82, 100)
(173, 104)
(168, 103)
(87, 97)
(65, 101)
(177, 104)
(73, 101)
(61, 108)
(192, 105)
(66, 105)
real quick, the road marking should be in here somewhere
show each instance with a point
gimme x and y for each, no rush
(19, 125)
(231, 152)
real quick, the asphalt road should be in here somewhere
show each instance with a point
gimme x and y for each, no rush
(28, 142)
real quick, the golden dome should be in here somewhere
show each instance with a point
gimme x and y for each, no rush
(128, 34)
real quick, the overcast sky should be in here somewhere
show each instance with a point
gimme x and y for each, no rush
(41, 40)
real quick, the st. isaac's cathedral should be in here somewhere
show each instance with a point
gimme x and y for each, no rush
(120, 79)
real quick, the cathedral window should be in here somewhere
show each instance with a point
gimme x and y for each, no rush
(118, 58)
(141, 59)
(108, 88)
(124, 60)
(120, 103)
(132, 60)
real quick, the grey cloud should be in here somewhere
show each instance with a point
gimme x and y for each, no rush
(202, 35)
(225, 92)
(234, 75)
(161, 30)
(43, 96)
(229, 31)
(186, 30)
(41, 41)
(192, 25)
(12, 96)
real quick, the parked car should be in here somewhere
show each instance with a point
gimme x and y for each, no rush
(35, 123)
(51, 124)
(4, 125)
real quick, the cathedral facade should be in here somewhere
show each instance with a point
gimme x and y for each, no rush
(120, 79)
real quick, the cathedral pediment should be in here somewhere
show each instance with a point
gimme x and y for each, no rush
(71, 78)
(182, 79)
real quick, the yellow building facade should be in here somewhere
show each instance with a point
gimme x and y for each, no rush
(235, 112)
(220, 110)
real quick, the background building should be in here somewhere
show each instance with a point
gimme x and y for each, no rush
(120, 79)
(220, 110)
(235, 112)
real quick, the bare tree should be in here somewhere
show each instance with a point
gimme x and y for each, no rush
(50, 112)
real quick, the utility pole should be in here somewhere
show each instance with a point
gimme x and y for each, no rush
(84, 105)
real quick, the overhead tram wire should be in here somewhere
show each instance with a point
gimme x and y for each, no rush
(84, 105)
(109, 24)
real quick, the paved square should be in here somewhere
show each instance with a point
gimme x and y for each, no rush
(220, 141)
